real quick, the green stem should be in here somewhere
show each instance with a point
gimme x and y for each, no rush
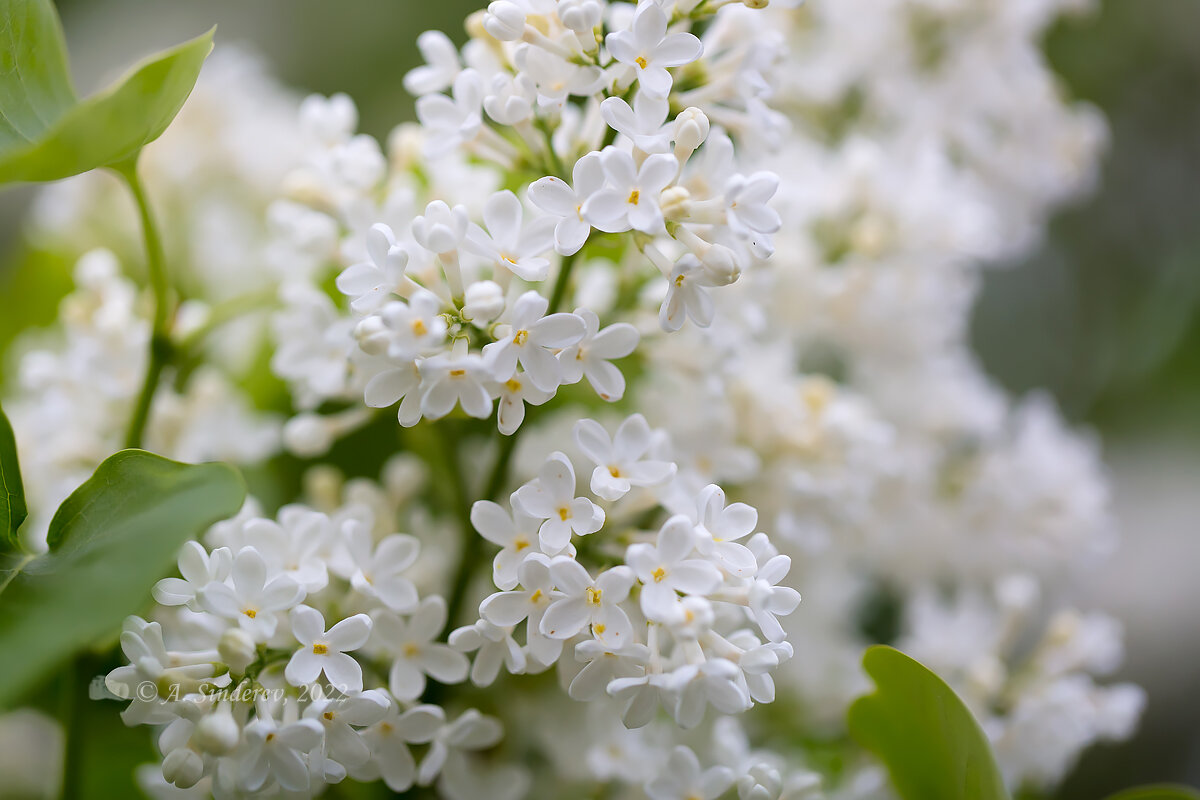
(160, 349)
(560, 283)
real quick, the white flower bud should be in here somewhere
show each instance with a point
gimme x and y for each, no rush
(217, 733)
(691, 128)
(721, 265)
(307, 435)
(372, 335)
(183, 768)
(237, 649)
(580, 16)
(483, 302)
(504, 20)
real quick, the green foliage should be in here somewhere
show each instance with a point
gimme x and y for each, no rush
(46, 133)
(109, 541)
(932, 746)
(12, 493)
(1157, 792)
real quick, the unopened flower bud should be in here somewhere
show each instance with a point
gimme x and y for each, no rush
(372, 335)
(217, 733)
(183, 768)
(580, 15)
(307, 435)
(691, 128)
(504, 20)
(237, 650)
(484, 301)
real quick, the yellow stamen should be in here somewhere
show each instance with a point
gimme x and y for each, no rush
(411, 650)
(251, 613)
(641, 61)
(593, 596)
(564, 513)
(418, 327)
(520, 543)
(320, 649)
(537, 595)
(658, 575)
(521, 337)
(634, 196)
(614, 471)
(513, 385)
(599, 629)
(457, 373)
(328, 715)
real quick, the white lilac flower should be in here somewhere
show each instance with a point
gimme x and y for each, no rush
(441, 65)
(717, 682)
(585, 602)
(530, 602)
(747, 211)
(441, 229)
(551, 497)
(250, 596)
(512, 395)
(452, 121)
(326, 652)
(198, 568)
(644, 124)
(603, 664)
(493, 646)
(370, 282)
(516, 535)
(554, 77)
(388, 741)
(457, 378)
(621, 461)
(650, 50)
(631, 197)
(768, 599)
(592, 356)
(378, 570)
(471, 731)
(275, 752)
(565, 203)
(718, 528)
(414, 652)
(530, 340)
(343, 746)
(683, 779)
(413, 328)
(686, 296)
(509, 246)
(668, 567)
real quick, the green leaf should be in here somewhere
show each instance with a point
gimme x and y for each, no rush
(1157, 792)
(35, 84)
(12, 493)
(916, 724)
(109, 541)
(107, 129)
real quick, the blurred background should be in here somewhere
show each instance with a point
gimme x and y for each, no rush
(1105, 314)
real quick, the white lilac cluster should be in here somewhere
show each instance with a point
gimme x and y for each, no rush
(294, 652)
(686, 618)
(585, 178)
(456, 288)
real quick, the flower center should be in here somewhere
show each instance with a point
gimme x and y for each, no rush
(599, 628)
(658, 575)
(320, 649)
(634, 196)
(251, 612)
(328, 715)
(564, 513)
(614, 471)
(521, 337)
(679, 281)
(537, 595)
(411, 649)
(418, 327)
(641, 61)
(270, 737)
(593, 596)
(520, 543)
(513, 385)
(457, 373)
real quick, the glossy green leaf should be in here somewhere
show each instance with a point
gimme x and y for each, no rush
(1157, 792)
(109, 541)
(932, 746)
(111, 127)
(35, 84)
(12, 492)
